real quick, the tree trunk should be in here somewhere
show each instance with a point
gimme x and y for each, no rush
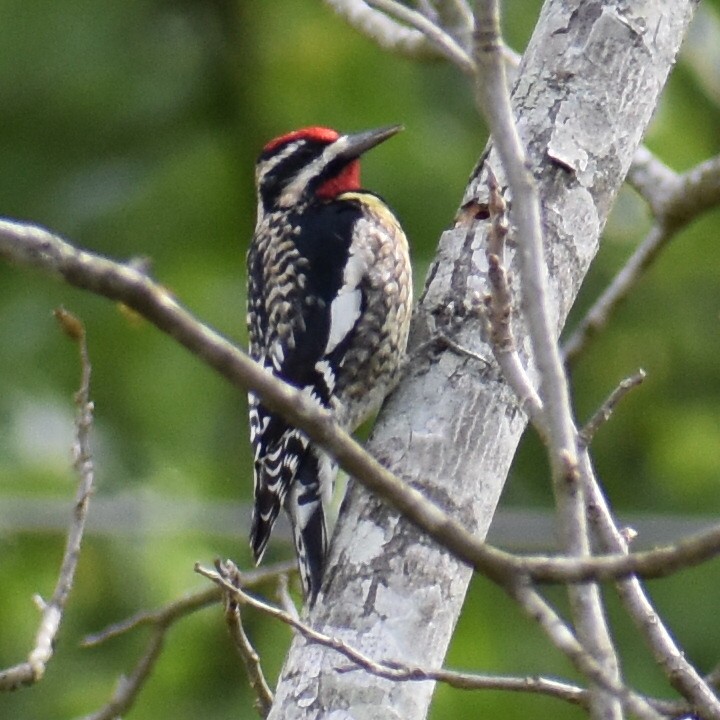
(588, 85)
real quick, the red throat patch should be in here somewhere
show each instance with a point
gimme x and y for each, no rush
(346, 180)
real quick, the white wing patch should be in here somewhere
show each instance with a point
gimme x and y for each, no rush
(344, 313)
(345, 308)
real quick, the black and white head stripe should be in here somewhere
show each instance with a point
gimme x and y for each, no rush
(333, 158)
(293, 166)
(325, 165)
(289, 161)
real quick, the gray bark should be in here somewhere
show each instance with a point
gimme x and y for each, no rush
(586, 90)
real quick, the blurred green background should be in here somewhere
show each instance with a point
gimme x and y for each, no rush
(131, 128)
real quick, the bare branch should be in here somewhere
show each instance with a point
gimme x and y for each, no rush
(493, 100)
(564, 640)
(443, 42)
(39, 248)
(221, 579)
(164, 617)
(457, 17)
(418, 34)
(603, 413)
(286, 601)
(33, 670)
(598, 315)
(499, 310)
(395, 671)
(698, 191)
(388, 34)
(250, 658)
(392, 670)
(174, 611)
(666, 651)
(558, 632)
(402, 672)
(681, 674)
(152, 301)
(129, 687)
(656, 563)
(651, 179)
(676, 200)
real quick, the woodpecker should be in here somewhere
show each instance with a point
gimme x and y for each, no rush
(329, 304)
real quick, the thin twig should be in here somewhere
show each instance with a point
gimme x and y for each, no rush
(666, 651)
(177, 609)
(558, 632)
(656, 563)
(441, 40)
(652, 179)
(457, 18)
(698, 191)
(596, 318)
(129, 687)
(286, 601)
(395, 671)
(493, 100)
(33, 669)
(676, 200)
(383, 30)
(565, 641)
(603, 413)
(160, 621)
(250, 658)
(499, 309)
(163, 617)
(418, 35)
(443, 339)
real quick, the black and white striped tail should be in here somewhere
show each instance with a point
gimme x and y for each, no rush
(306, 502)
(273, 475)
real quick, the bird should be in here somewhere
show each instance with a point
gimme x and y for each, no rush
(329, 301)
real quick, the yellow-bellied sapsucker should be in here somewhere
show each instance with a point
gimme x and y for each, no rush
(329, 303)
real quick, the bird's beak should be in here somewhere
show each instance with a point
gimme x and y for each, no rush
(358, 143)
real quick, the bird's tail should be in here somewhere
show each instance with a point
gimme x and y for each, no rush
(274, 473)
(265, 512)
(305, 502)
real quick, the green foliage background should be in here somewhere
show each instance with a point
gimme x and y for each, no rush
(131, 128)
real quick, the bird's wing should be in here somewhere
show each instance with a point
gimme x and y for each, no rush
(305, 303)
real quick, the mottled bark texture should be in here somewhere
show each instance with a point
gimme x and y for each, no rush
(588, 85)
